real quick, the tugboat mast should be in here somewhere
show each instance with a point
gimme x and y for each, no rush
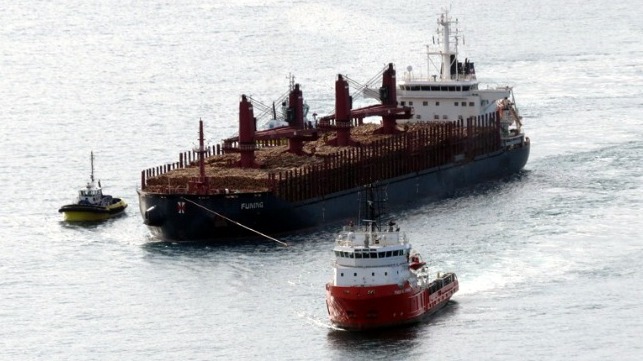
(91, 158)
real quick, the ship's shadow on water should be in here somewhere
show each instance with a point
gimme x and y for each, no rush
(246, 245)
(204, 248)
(403, 340)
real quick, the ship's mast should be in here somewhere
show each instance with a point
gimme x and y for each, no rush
(447, 54)
(92, 164)
(201, 152)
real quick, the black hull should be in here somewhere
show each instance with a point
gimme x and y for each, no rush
(174, 217)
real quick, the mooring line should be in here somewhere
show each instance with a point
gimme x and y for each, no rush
(235, 222)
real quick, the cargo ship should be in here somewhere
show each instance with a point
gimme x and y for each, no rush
(435, 135)
(379, 280)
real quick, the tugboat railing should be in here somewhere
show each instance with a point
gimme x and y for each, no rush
(367, 239)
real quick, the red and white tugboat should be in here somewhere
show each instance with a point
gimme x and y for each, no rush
(380, 281)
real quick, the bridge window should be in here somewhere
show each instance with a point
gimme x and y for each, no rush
(426, 104)
(410, 103)
(388, 253)
(464, 104)
(437, 104)
(436, 117)
(471, 104)
(402, 103)
(456, 104)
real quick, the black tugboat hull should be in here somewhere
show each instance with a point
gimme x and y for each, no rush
(180, 217)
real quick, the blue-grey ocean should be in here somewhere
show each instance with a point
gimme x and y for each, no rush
(550, 261)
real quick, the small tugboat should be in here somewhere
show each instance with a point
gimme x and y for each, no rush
(380, 281)
(91, 204)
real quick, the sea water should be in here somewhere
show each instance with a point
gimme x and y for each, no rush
(549, 260)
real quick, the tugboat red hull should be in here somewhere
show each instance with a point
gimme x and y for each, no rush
(373, 307)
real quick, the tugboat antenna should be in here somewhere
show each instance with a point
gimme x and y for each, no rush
(92, 163)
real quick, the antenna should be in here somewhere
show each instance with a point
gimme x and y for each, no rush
(92, 163)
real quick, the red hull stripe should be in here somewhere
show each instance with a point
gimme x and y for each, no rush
(360, 308)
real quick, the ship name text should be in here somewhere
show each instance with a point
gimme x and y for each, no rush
(254, 205)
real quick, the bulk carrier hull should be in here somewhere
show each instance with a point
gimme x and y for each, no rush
(436, 135)
(190, 217)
